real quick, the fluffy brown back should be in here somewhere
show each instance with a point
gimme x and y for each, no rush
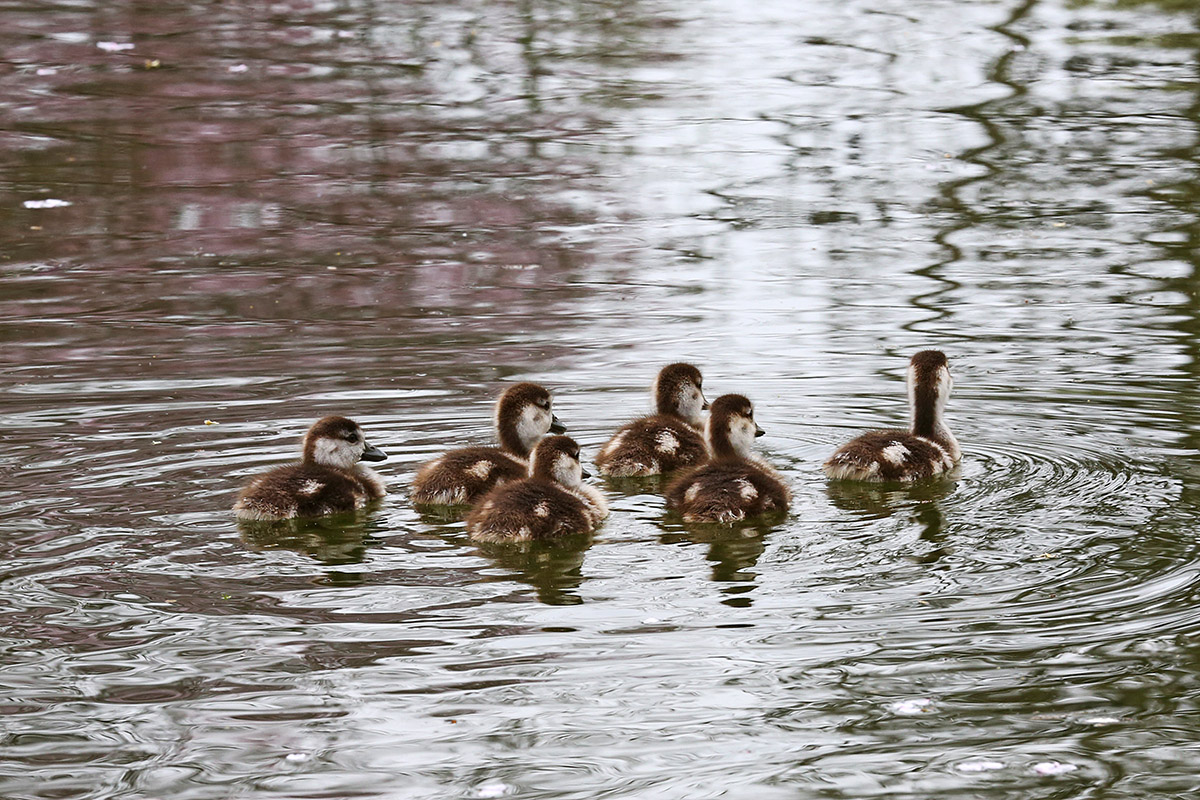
(652, 445)
(463, 476)
(727, 491)
(527, 510)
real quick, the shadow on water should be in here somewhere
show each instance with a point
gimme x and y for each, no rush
(553, 568)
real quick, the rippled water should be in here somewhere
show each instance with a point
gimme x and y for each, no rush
(223, 220)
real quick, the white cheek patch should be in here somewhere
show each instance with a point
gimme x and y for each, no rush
(567, 471)
(666, 442)
(334, 453)
(533, 425)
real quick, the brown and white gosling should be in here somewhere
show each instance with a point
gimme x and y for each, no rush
(552, 502)
(523, 417)
(664, 441)
(927, 449)
(735, 485)
(329, 479)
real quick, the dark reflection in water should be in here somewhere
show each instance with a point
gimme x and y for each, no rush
(337, 540)
(553, 568)
(733, 549)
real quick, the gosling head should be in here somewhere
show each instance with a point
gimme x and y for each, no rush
(731, 427)
(678, 391)
(557, 458)
(338, 442)
(523, 417)
(929, 384)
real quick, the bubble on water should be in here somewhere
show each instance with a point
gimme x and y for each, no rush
(114, 47)
(236, 68)
(912, 708)
(1053, 768)
(48, 203)
(979, 765)
(297, 756)
(492, 790)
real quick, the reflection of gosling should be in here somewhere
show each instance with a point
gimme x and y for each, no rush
(664, 441)
(734, 485)
(523, 417)
(894, 455)
(329, 480)
(553, 501)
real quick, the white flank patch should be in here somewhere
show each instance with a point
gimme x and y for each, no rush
(542, 510)
(746, 489)
(448, 497)
(840, 469)
(692, 492)
(894, 454)
(615, 444)
(310, 487)
(666, 442)
(481, 469)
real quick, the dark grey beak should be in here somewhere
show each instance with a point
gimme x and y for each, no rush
(758, 431)
(705, 406)
(585, 473)
(556, 426)
(373, 453)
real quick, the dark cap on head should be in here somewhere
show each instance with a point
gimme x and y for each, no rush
(520, 394)
(729, 404)
(929, 359)
(548, 450)
(670, 378)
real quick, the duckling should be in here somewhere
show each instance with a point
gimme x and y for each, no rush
(552, 502)
(666, 440)
(329, 479)
(735, 485)
(523, 417)
(927, 449)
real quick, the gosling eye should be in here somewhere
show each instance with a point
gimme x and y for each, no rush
(352, 437)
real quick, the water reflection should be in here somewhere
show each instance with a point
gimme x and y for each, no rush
(334, 540)
(385, 209)
(732, 549)
(553, 568)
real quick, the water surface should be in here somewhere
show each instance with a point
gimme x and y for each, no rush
(222, 221)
